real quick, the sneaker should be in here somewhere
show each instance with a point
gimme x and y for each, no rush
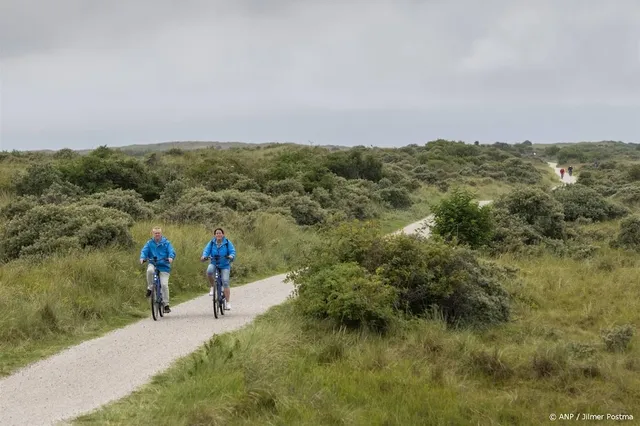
(167, 309)
(148, 293)
(227, 306)
(211, 292)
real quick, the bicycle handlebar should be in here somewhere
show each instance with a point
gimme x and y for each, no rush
(216, 257)
(154, 260)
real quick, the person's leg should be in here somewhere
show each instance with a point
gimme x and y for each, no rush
(211, 276)
(164, 281)
(225, 286)
(149, 279)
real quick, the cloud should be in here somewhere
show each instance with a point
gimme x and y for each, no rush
(89, 71)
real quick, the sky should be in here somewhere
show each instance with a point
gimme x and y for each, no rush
(79, 73)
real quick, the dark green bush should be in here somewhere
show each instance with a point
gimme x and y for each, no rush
(303, 209)
(128, 201)
(428, 276)
(533, 207)
(398, 198)
(284, 186)
(459, 216)
(629, 234)
(197, 205)
(37, 179)
(346, 294)
(46, 229)
(581, 201)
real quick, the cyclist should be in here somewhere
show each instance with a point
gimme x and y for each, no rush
(161, 248)
(562, 173)
(570, 170)
(221, 247)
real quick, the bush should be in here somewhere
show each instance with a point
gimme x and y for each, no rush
(45, 229)
(581, 201)
(458, 216)
(303, 209)
(533, 207)
(128, 201)
(38, 178)
(428, 276)
(617, 339)
(284, 186)
(432, 276)
(629, 234)
(346, 294)
(398, 198)
(197, 205)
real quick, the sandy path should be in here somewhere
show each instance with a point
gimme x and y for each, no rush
(84, 377)
(567, 178)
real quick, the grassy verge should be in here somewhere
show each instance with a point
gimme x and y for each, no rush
(282, 369)
(48, 305)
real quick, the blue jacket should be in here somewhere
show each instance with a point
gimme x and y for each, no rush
(161, 250)
(225, 249)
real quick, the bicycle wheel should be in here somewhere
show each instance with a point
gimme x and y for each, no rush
(154, 306)
(220, 299)
(215, 304)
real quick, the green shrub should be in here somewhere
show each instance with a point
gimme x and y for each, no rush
(398, 198)
(303, 209)
(581, 201)
(629, 233)
(128, 201)
(61, 193)
(428, 276)
(37, 179)
(46, 229)
(197, 205)
(534, 207)
(284, 186)
(617, 339)
(628, 195)
(18, 206)
(244, 201)
(459, 216)
(346, 294)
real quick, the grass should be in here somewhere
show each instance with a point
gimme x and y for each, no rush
(283, 369)
(98, 291)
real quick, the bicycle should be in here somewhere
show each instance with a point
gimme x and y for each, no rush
(218, 295)
(157, 303)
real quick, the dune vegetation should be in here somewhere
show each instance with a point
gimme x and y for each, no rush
(506, 314)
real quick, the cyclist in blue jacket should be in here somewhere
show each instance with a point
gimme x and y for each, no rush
(161, 248)
(220, 246)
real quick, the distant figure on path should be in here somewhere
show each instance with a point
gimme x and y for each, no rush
(570, 169)
(562, 173)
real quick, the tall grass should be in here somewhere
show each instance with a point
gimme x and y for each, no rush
(50, 303)
(282, 369)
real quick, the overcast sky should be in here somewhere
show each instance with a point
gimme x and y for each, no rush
(79, 73)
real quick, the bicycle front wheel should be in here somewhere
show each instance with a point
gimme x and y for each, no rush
(154, 305)
(215, 304)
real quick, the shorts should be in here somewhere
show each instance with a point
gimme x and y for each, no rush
(225, 274)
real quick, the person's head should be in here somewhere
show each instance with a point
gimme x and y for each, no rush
(218, 233)
(157, 234)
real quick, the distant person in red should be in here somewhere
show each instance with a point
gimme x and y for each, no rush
(561, 173)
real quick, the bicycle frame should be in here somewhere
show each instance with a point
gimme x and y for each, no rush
(158, 303)
(218, 295)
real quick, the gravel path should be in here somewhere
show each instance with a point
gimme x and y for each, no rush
(82, 378)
